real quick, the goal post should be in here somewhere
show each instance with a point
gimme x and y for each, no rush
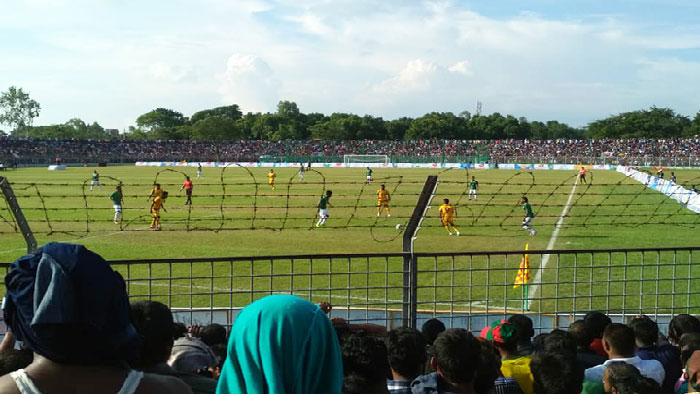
(365, 159)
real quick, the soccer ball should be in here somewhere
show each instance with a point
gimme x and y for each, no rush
(398, 226)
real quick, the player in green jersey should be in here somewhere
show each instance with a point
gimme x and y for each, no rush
(529, 215)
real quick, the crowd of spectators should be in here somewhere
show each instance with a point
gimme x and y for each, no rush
(41, 151)
(79, 333)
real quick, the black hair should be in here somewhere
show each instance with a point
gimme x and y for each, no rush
(165, 194)
(382, 186)
(213, 334)
(626, 378)
(154, 322)
(581, 335)
(646, 331)
(458, 355)
(681, 324)
(560, 342)
(431, 329)
(621, 338)
(555, 373)
(157, 185)
(359, 384)
(525, 327)
(446, 200)
(221, 352)
(179, 330)
(366, 356)
(187, 177)
(595, 322)
(406, 351)
(689, 343)
(489, 369)
(524, 198)
(329, 193)
(13, 359)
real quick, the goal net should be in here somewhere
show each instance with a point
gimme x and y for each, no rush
(365, 159)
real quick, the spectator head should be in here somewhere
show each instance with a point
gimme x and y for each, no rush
(525, 328)
(622, 378)
(431, 329)
(365, 361)
(213, 334)
(406, 351)
(179, 330)
(154, 322)
(192, 355)
(280, 342)
(646, 331)
(455, 357)
(560, 342)
(555, 373)
(68, 305)
(618, 340)
(689, 343)
(581, 335)
(489, 368)
(503, 335)
(681, 324)
(595, 322)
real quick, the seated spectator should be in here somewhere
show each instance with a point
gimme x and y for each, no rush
(594, 323)
(71, 309)
(623, 378)
(431, 329)
(365, 365)
(282, 344)
(192, 355)
(407, 355)
(587, 357)
(682, 324)
(646, 333)
(503, 335)
(525, 334)
(455, 360)
(618, 342)
(489, 378)
(213, 334)
(555, 373)
(154, 323)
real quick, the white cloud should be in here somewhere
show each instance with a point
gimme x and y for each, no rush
(462, 67)
(417, 75)
(170, 72)
(249, 82)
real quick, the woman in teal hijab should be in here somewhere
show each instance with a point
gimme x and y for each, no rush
(282, 344)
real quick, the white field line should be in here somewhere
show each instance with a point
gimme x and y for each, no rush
(552, 240)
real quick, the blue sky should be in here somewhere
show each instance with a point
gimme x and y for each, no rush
(574, 61)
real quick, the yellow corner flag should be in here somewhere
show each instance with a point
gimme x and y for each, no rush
(523, 276)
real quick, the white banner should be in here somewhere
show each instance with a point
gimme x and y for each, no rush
(686, 197)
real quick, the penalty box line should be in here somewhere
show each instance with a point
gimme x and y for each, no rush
(535, 286)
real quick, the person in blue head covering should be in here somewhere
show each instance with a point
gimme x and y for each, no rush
(285, 345)
(71, 309)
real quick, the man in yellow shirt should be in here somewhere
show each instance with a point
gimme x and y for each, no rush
(504, 337)
(271, 178)
(157, 204)
(447, 216)
(383, 199)
(155, 192)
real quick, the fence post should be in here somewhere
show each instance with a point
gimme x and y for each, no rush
(17, 213)
(410, 261)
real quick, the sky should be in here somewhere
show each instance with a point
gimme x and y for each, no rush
(569, 60)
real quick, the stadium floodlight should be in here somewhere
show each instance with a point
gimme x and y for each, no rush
(364, 159)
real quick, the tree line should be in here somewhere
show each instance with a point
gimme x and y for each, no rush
(228, 123)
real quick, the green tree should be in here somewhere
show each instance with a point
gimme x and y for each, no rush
(216, 128)
(435, 125)
(232, 112)
(651, 123)
(160, 118)
(18, 110)
(397, 128)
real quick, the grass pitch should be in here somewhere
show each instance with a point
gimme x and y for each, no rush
(236, 213)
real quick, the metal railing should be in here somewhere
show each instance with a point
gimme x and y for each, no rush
(469, 289)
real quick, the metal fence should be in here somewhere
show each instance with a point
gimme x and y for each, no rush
(467, 290)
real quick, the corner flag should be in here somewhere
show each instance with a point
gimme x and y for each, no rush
(523, 276)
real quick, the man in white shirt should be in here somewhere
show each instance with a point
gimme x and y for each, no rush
(618, 342)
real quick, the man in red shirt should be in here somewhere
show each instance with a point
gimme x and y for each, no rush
(187, 185)
(582, 175)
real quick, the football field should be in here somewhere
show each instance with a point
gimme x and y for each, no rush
(236, 213)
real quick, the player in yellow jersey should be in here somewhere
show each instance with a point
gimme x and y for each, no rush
(447, 216)
(156, 206)
(271, 178)
(383, 199)
(155, 192)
